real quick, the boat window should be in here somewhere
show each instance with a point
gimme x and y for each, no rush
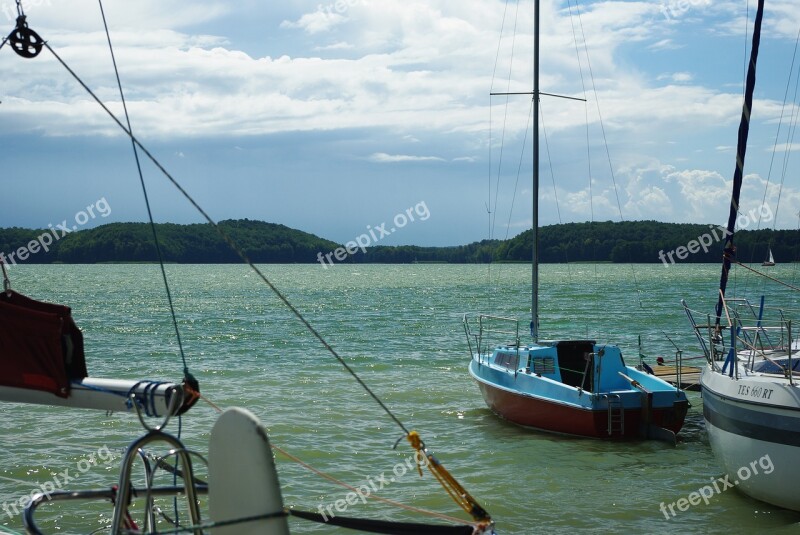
(506, 360)
(544, 365)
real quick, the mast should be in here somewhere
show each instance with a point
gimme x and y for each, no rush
(729, 253)
(535, 202)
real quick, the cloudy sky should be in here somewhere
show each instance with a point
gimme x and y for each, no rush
(334, 117)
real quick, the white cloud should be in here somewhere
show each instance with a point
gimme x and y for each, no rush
(664, 44)
(700, 191)
(784, 147)
(382, 157)
(420, 65)
(84, 15)
(677, 77)
(341, 45)
(316, 22)
(405, 71)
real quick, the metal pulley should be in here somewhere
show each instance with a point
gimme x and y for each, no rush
(26, 42)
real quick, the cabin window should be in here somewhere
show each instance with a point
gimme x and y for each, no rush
(543, 365)
(506, 360)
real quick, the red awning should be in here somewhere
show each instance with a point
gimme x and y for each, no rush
(41, 348)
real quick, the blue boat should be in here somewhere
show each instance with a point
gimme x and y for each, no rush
(576, 387)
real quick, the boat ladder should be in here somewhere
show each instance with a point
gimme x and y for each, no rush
(616, 415)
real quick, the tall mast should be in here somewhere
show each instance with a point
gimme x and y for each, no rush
(729, 253)
(535, 203)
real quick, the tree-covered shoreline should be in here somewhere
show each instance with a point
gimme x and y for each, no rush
(630, 241)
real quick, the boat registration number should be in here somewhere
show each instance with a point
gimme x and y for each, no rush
(755, 391)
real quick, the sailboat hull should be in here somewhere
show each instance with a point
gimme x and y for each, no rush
(753, 425)
(550, 416)
(609, 400)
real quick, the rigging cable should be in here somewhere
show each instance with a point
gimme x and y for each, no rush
(790, 135)
(473, 508)
(505, 121)
(605, 140)
(555, 189)
(492, 210)
(224, 235)
(489, 206)
(188, 377)
(773, 279)
(588, 151)
(792, 127)
(519, 171)
(489, 209)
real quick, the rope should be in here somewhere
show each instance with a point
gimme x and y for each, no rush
(6, 281)
(442, 475)
(448, 482)
(345, 485)
(218, 524)
(350, 487)
(773, 279)
(231, 243)
(186, 373)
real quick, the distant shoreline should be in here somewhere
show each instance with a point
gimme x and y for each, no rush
(639, 242)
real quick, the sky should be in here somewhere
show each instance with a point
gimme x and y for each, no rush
(336, 118)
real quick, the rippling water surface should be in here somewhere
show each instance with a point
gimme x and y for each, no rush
(400, 328)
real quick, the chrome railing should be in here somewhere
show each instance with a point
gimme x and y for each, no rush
(492, 331)
(754, 334)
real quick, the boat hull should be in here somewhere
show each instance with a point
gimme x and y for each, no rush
(753, 426)
(556, 417)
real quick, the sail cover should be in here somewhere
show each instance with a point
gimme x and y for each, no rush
(41, 348)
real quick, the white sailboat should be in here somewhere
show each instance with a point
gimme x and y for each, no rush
(770, 261)
(751, 383)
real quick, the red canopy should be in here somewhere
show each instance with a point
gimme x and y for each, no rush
(41, 348)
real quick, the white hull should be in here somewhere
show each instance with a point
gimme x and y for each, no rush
(753, 425)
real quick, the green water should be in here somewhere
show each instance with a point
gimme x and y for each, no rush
(400, 328)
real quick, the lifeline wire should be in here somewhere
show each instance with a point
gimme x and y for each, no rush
(232, 244)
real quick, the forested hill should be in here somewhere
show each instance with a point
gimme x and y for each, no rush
(189, 244)
(648, 242)
(633, 241)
